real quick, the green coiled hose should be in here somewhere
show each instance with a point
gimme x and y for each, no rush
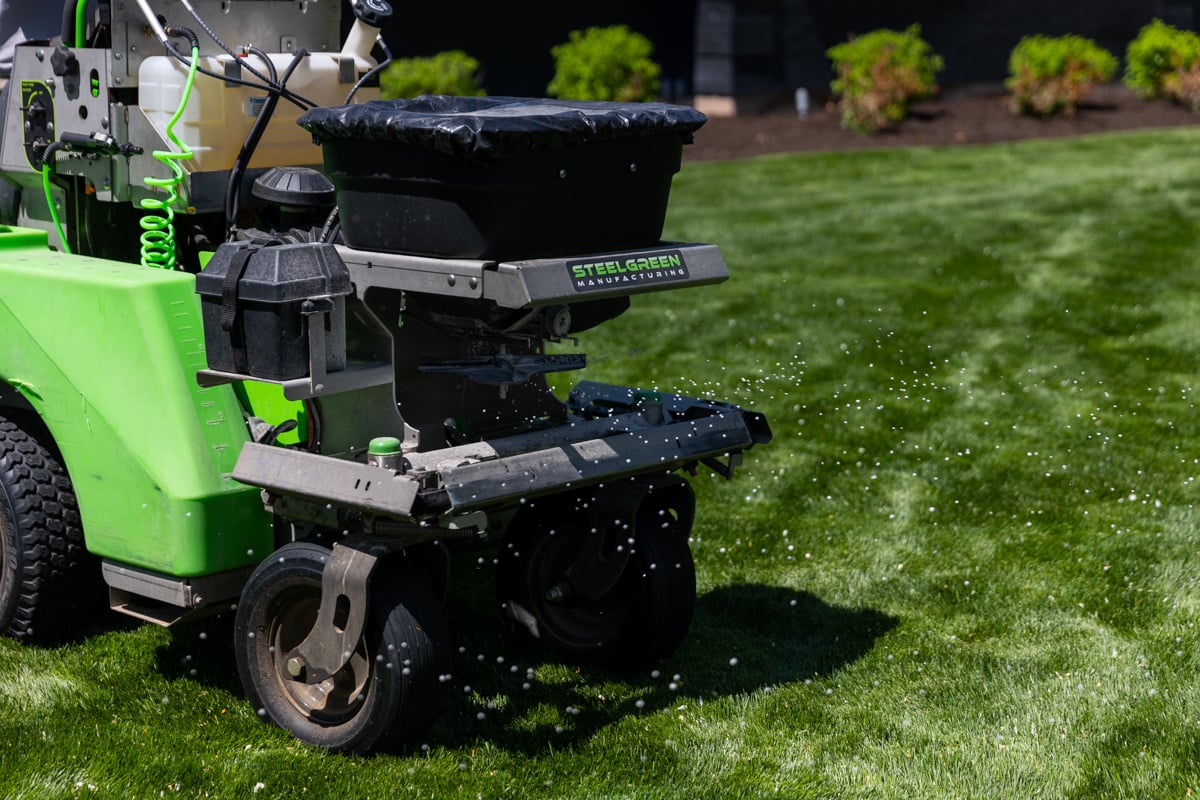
(158, 229)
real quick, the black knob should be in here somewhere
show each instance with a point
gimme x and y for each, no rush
(372, 12)
(64, 62)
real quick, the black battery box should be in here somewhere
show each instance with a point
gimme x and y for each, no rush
(257, 299)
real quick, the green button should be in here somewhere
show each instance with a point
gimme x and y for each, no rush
(384, 446)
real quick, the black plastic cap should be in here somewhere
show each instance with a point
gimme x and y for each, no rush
(299, 187)
(372, 12)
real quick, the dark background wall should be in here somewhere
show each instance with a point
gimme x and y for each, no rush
(513, 40)
(737, 46)
(975, 39)
(780, 44)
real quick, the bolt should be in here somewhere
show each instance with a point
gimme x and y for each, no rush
(295, 667)
(556, 593)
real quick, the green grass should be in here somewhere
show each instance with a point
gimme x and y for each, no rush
(966, 567)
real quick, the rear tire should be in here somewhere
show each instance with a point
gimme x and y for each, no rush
(646, 613)
(390, 691)
(42, 554)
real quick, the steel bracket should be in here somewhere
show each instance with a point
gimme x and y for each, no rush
(342, 617)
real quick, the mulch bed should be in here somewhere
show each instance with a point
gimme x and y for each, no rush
(957, 118)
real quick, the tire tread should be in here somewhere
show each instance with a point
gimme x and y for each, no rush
(38, 506)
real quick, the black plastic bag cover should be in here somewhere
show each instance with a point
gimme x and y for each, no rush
(498, 127)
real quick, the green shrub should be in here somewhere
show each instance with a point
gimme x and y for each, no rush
(1163, 62)
(880, 74)
(605, 64)
(1052, 74)
(451, 72)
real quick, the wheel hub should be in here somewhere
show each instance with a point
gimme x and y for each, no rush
(333, 700)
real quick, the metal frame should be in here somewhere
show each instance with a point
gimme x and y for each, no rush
(171, 599)
(277, 26)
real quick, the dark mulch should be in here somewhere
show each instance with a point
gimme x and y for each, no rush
(962, 117)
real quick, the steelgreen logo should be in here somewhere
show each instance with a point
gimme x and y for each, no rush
(627, 271)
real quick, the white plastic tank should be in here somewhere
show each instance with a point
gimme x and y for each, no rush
(218, 117)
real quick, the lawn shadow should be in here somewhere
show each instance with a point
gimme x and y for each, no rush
(743, 639)
(202, 651)
(778, 635)
(82, 618)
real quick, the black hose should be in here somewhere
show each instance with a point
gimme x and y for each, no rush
(233, 189)
(47, 156)
(380, 67)
(267, 60)
(68, 22)
(186, 33)
(295, 99)
(229, 51)
(331, 222)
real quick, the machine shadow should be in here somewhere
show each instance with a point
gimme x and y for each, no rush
(516, 694)
(743, 639)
